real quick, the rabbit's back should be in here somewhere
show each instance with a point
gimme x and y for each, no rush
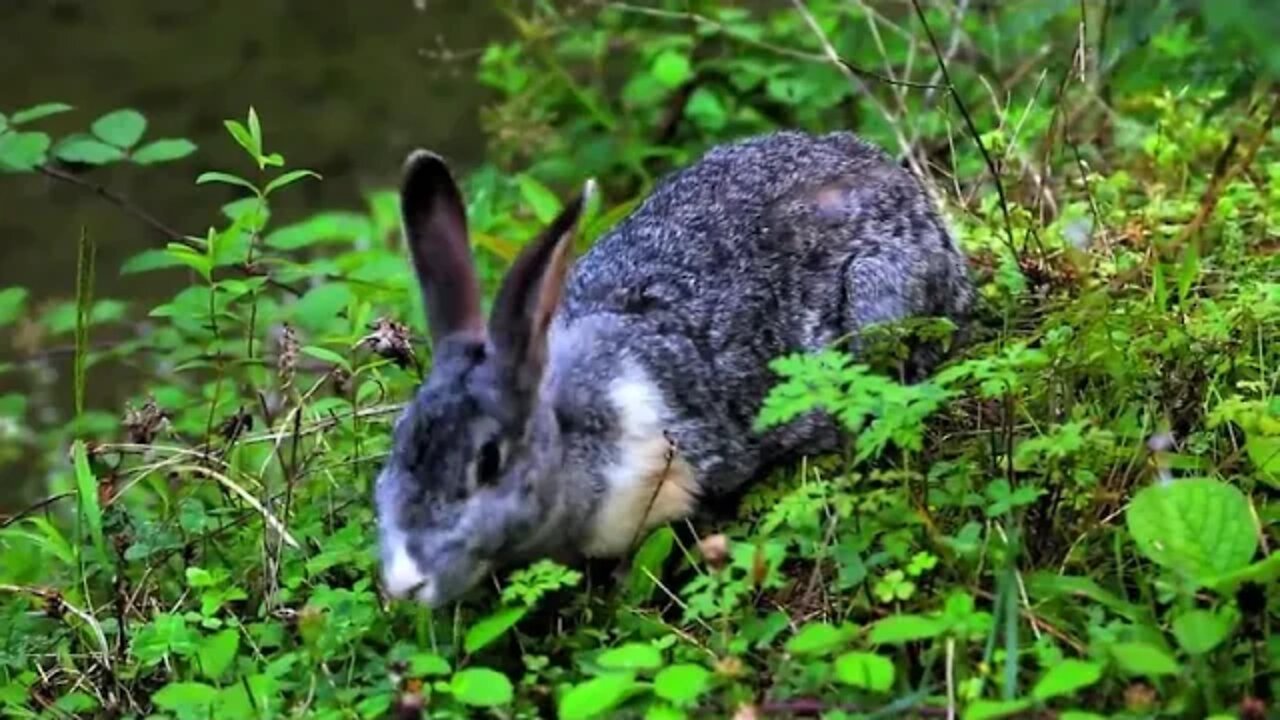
(770, 245)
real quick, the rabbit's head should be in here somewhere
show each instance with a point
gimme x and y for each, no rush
(467, 486)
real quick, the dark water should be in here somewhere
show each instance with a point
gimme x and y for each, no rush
(345, 88)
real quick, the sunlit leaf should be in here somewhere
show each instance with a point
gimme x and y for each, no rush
(122, 128)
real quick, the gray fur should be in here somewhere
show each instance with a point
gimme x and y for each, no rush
(770, 245)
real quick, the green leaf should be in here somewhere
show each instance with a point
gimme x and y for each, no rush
(13, 301)
(1200, 631)
(991, 709)
(86, 149)
(289, 178)
(217, 652)
(147, 260)
(481, 687)
(319, 308)
(706, 110)
(87, 493)
(672, 68)
(122, 128)
(546, 206)
(329, 356)
(1065, 678)
(343, 227)
(682, 684)
(1199, 527)
(243, 137)
(1140, 658)
(1264, 453)
(221, 177)
(818, 638)
(255, 128)
(865, 670)
(631, 656)
(22, 151)
(428, 664)
(898, 629)
(37, 112)
(596, 696)
(164, 150)
(185, 697)
(1080, 715)
(647, 564)
(192, 258)
(491, 628)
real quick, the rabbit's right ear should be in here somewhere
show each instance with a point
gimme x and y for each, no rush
(435, 227)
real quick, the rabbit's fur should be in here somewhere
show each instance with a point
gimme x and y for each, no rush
(605, 397)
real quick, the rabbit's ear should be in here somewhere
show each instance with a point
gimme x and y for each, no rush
(435, 226)
(529, 296)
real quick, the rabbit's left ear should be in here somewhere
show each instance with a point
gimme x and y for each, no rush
(529, 297)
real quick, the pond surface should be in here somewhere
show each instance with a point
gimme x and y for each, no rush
(343, 88)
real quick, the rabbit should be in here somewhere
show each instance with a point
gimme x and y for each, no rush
(604, 397)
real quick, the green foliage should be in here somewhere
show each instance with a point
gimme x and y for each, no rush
(1076, 510)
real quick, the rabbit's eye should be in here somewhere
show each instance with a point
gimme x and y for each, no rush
(489, 463)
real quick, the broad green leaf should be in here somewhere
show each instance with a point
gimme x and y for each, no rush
(1066, 678)
(596, 696)
(148, 260)
(659, 711)
(243, 137)
(992, 709)
(428, 664)
(1263, 572)
(546, 206)
(13, 301)
(164, 150)
(1200, 631)
(481, 687)
(37, 112)
(289, 178)
(682, 684)
(87, 493)
(818, 638)
(1080, 715)
(185, 697)
(22, 151)
(707, 110)
(221, 177)
(647, 563)
(86, 149)
(319, 308)
(1199, 527)
(325, 227)
(122, 128)
(865, 670)
(192, 258)
(326, 355)
(1264, 453)
(217, 652)
(1140, 658)
(898, 629)
(672, 68)
(4, 122)
(631, 656)
(491, 628)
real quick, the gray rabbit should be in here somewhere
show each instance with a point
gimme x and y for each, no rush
(606, 397)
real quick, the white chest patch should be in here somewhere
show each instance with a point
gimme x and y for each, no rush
(649, 484)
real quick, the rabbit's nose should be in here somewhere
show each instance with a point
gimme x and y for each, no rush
(402, 577)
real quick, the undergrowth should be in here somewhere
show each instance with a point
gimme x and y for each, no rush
(1072, 518)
